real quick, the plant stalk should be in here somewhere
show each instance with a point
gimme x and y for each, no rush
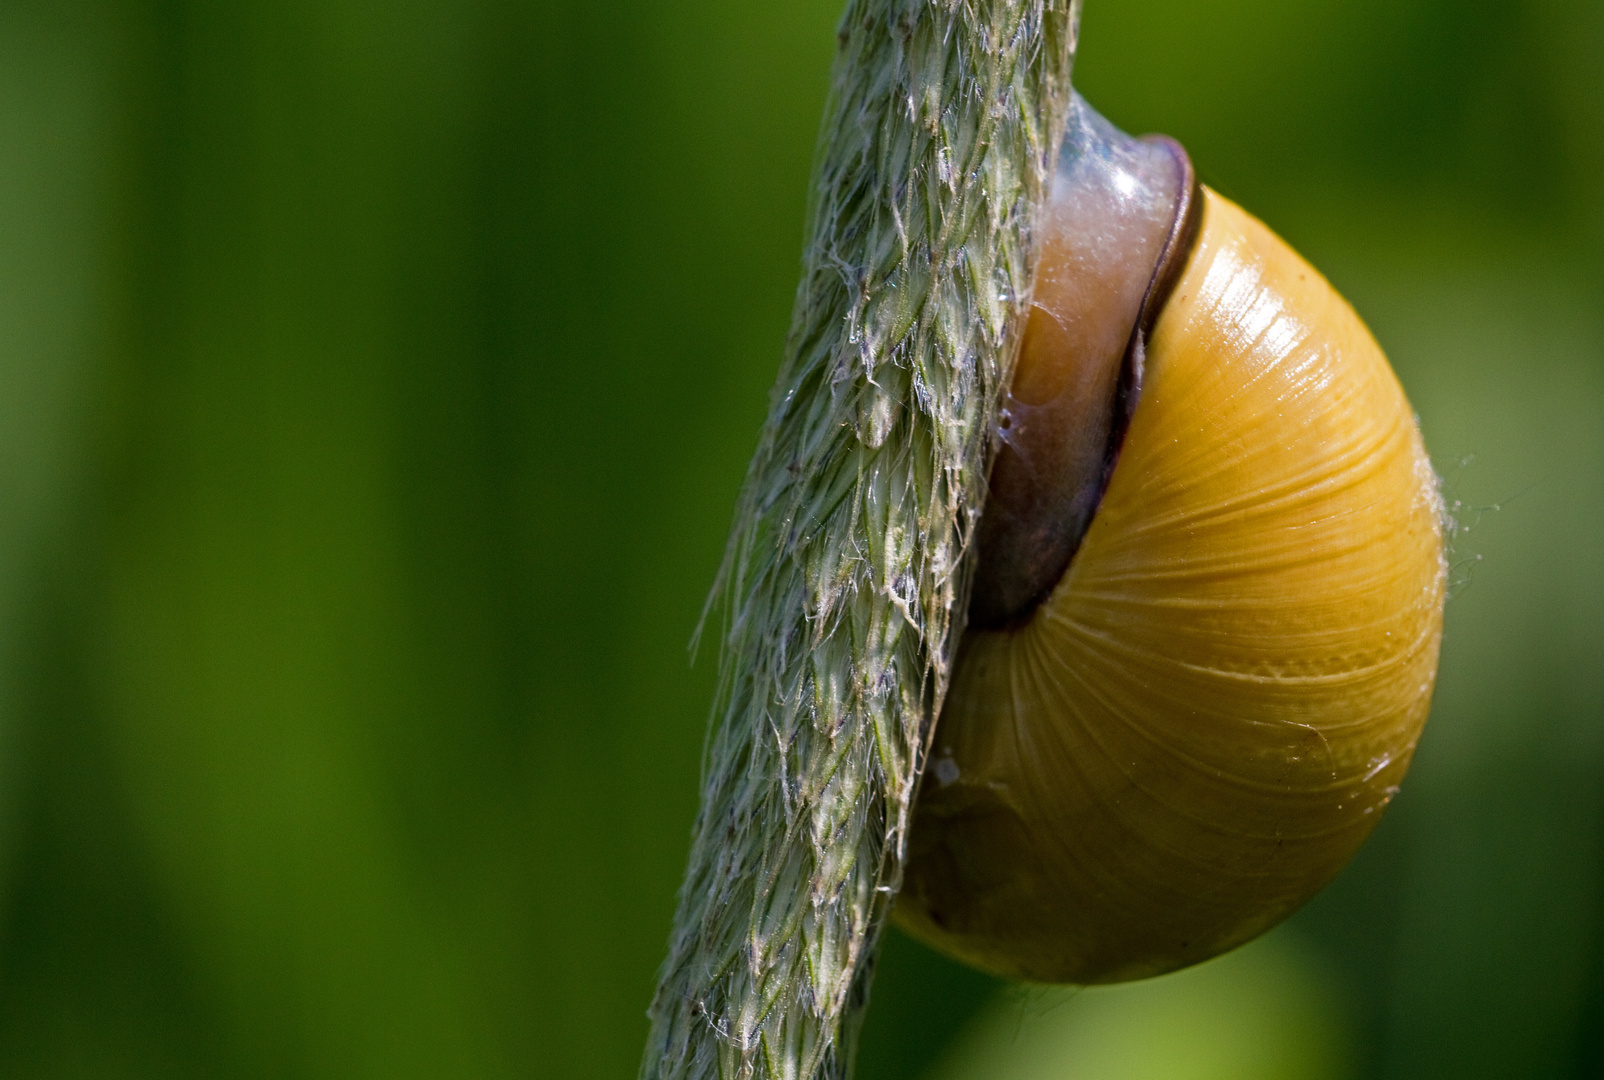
(846, 575)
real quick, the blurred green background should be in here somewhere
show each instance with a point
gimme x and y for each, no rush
(376, 380)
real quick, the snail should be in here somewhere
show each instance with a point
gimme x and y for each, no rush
(1207, 603)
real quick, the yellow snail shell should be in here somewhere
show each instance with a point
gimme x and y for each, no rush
(1205, 716)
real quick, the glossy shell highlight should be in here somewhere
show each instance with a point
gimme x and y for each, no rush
(1208, 714)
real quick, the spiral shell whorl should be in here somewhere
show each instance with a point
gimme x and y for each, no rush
(1207, 716)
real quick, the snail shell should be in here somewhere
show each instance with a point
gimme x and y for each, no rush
(1204, 635)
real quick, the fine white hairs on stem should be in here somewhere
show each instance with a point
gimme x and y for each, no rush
(845, 578)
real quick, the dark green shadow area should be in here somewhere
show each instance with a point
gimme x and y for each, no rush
(920, 999)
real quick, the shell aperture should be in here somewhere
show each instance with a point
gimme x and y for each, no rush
(1115, 231)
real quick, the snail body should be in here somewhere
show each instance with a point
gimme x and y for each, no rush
(1173, 728)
